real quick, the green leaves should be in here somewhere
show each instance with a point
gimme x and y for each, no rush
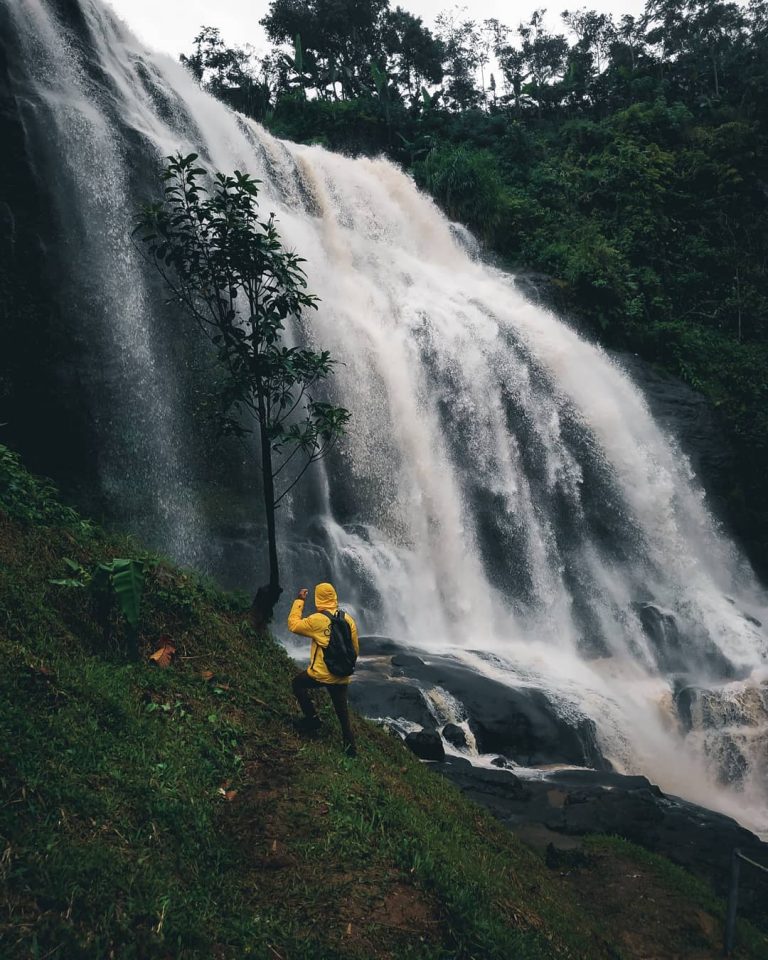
(121, 581)
(228, 271)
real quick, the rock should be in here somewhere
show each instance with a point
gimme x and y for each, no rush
(457, 761)
(579, 802)
(685, 652)
(498, 790)
(426, 744)
(503, 763)
(378, 646)
(520, 722)
(379, 698)
(407, 660)
(454, 735)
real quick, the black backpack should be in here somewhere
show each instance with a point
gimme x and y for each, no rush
(339, 655)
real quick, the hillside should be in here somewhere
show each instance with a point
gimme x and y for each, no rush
(172, 812)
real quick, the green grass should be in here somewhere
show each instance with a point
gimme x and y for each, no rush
(156, 813)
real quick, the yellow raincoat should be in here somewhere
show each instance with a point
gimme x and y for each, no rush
(318, 628)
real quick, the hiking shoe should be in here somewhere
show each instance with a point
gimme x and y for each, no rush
(308, 726)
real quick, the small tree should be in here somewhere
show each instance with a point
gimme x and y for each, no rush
(227, 270)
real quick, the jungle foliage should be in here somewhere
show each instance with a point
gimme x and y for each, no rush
(622, 159)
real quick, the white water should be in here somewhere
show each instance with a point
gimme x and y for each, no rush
(512, 494)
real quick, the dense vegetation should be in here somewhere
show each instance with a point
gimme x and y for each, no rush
(624, 160)
(150, 811)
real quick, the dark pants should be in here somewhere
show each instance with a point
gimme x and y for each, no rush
(303, 683)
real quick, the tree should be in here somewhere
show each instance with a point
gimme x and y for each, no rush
(415, 53)
(229, 273)
(463, 54)
(545, 55)
(341, 37)
(228, 73)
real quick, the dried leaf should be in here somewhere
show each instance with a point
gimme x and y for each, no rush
(225, 792)
(349, 929)
(163, 655)
(274, 844)
(206, 674)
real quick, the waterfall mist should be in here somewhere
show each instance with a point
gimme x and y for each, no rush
(503, 491)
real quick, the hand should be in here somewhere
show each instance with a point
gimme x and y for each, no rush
(303, 593)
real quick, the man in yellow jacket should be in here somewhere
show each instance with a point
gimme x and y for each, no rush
(317, 627)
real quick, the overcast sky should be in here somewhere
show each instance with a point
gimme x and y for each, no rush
(170, 25)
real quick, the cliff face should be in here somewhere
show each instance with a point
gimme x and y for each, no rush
(43, 408)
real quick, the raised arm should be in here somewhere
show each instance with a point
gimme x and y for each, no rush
(297, 623)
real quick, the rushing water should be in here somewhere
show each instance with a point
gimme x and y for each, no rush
(503, 490)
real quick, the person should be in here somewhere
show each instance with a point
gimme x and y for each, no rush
(317, 627)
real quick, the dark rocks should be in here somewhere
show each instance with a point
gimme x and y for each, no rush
(454, 735)
(579, 802)
(502, 763)
(521, 723)
(494, 789)
(426, 744)
(390, 698)
(378, 646)
(688, 651)
(406, 660)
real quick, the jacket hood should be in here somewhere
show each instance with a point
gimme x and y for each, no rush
(325, 597)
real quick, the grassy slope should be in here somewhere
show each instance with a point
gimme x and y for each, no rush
(116, 840)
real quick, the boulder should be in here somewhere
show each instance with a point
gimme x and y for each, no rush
(378, 698)
(503, 763)
(405, 660)
(681, 651)
(426, 744)
(455, 735)
(522, 723)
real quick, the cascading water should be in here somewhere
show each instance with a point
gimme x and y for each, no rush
(503, 490)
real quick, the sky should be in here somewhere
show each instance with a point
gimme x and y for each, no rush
(171, 25)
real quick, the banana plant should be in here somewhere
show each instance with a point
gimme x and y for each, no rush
(300, 79)
(114, 582)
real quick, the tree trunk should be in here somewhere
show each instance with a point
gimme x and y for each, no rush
(267, 596)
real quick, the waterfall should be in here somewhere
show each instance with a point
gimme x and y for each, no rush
(503, 491)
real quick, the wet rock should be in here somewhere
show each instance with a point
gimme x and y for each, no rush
(455, 735)
(580, 802)
(380, 698)
(681, 651)
(494, 789)
(406, 660)
(520, 723)
(457, 761)
(426, 744)
(503, 763)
